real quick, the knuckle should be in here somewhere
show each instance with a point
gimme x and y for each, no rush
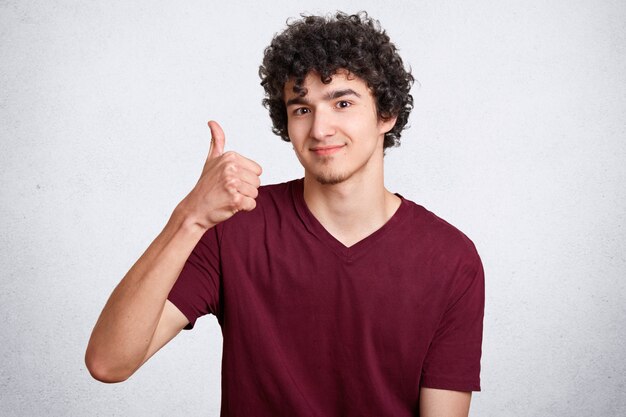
(236, 203)
(229, 156)
(230, 168)
(232, 182)
(230, 188)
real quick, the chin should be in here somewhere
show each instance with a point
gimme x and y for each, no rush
(330, 178)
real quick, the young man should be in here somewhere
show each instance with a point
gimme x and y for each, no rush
(335, 296)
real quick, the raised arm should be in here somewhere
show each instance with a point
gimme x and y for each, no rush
(137, 320)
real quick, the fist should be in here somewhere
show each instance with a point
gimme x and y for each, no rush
(228, 184)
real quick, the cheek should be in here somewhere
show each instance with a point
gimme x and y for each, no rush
(299, 155)
(297, 131)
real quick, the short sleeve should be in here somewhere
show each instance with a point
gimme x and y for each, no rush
(196, 292)
(453, 358)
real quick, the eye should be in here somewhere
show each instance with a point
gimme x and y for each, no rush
(343, 104)
(301, 111)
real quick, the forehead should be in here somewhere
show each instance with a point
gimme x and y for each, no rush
(313, 85)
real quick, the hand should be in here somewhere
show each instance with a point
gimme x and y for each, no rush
(228, 184)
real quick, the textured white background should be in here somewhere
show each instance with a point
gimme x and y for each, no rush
(518, 138)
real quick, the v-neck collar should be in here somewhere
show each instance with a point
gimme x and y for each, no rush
(319, 231)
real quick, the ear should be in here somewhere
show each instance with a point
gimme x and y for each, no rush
(386, 124)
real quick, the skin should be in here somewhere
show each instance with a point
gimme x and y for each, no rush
(338, 138)
(138, 320)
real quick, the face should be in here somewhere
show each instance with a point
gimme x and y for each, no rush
(335, 129)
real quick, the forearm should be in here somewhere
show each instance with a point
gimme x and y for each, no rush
(122, 336)
(123, 332)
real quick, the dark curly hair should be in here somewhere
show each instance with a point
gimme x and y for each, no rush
(355, 43)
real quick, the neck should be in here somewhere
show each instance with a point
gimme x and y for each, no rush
(352, 209)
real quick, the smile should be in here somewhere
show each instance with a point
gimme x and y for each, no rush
(326, 150)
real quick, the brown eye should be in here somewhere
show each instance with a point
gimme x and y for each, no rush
(300, 111)
(343, 104)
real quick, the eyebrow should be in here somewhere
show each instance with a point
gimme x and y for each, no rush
(331, 95)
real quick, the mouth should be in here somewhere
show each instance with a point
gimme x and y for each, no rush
(326, 150)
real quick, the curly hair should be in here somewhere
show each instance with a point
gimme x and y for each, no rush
(325, 45)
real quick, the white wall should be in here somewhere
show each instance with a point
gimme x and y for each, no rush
(518, 138)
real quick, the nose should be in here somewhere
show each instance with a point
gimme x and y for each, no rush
(323, 125)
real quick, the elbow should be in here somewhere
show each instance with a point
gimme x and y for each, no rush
(102, 372)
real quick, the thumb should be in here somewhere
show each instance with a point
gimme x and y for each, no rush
(217, 140)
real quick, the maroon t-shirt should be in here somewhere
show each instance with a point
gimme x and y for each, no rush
(314, 328)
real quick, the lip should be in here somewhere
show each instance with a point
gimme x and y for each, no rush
(326, 150)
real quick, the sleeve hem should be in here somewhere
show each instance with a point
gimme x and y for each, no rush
(184, 308)
(450, 384)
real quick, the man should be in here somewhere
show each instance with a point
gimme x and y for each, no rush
(335, 296)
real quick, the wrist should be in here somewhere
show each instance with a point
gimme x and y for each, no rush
(185, 219)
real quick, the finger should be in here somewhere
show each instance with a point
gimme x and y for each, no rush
(247, 190)
(217, 140)
(249, 177)
(247, 204)
(250, 165)
(235, 162)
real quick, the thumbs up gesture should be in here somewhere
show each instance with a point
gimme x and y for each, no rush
(228, 184)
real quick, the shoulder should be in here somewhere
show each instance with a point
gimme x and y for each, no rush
(445, 242)
(274, 199)
(452, 256)
(280, 193)
(272, 202)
